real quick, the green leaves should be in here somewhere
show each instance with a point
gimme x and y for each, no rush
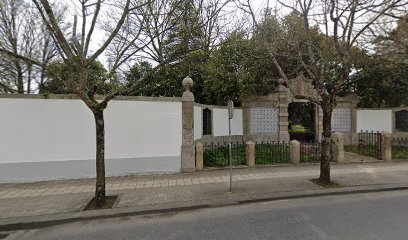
(381, 82)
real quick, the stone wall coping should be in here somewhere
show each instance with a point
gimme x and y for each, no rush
(213, 106)
(385, 108)
(99, 97)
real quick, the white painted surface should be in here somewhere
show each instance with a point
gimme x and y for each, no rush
(374, 120)
(220, 122)
(198, 123)
(36, 130)
(39, 130)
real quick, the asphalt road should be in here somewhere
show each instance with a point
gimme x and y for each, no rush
(371, 216)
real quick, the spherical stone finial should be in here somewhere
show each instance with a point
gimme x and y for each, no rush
(187, 83)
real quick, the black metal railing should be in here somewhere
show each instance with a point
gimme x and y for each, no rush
(217, 155)
(310, 152)
(400, 148)
(369, 144)
(272, 152)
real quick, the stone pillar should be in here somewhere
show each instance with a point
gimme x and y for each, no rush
(187, 147)
(338, 148)
(199, 156)
(250, 154)
(386, 139)
(283, 113)
(294, 152)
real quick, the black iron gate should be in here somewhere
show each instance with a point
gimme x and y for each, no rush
(369, 144)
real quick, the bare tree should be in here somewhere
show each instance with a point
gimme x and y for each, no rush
(129, 28)
(48, 50)
(10, 37)
(160, 19)
(331, 32)
(391, 40)
(75, 51)
(164, 15)
(214, 21)
(22, 33)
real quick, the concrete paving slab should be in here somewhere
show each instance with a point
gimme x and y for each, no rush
(37, 206)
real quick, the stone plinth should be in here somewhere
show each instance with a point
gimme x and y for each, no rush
(338, 148)
(250, 154)
(386, 151)
(199, 156)
(294, 152)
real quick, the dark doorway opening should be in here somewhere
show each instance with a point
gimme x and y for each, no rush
(207, 121)
(302, 121)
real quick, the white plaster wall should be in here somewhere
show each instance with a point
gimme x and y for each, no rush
(39, 130)
(35, 130)
(198, 123)
(374, 120)
(220, 122)
(143, 129)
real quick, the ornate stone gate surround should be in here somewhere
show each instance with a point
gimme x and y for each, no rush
(265, 118)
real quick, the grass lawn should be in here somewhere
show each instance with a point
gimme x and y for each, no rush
(297, 128)
(353, 149)
(363, 150)
(398, 152)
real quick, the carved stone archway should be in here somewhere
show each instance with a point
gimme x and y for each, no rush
(266, 118)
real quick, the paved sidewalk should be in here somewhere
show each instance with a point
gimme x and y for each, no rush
(54, 200)
(49, 188)
(357, 158)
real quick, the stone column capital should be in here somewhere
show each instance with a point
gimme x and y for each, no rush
(250, 143)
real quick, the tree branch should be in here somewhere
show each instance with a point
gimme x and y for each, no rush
(114, 32)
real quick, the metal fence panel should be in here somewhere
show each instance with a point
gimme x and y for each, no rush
(272, 152)
(369, 144)
(400, 148)
(217, 155)
(310, 152)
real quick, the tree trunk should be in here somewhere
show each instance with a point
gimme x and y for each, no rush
(29, 70)
(100, 157)
(326, 141)
(20, 80)
(42, 80)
